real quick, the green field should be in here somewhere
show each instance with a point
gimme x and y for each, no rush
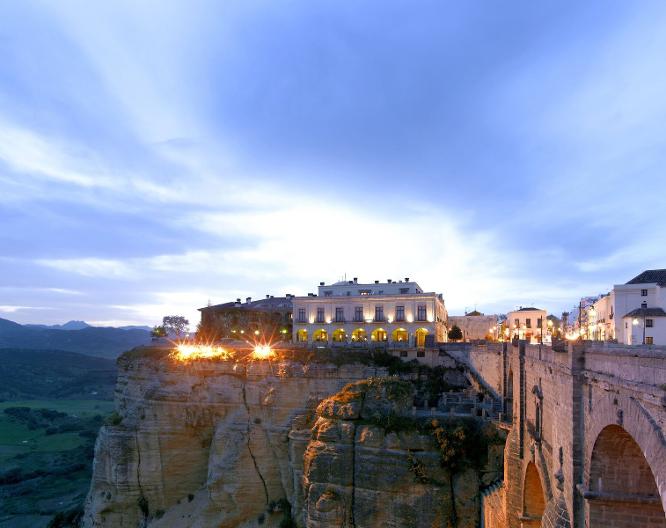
(44, 471)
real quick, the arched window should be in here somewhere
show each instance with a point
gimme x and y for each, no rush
(379, 334)
(359, 335)
(320, 335)
(339, 335)
(400, 335)
(421, 334)
(302, 336)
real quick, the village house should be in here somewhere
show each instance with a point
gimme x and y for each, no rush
(475, 325)
(268, 318)
(529, 324)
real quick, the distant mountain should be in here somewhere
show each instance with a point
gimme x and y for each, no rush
(90, 340)
(69, 325)
(140, 327)
(44, 374)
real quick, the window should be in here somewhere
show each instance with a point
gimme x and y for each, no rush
(420, 353)
(320, 315)
(379, 313)
(528, 323)
(339, 315)
(404, 290)
(643, 305)
(328, 293)
(643, 293)
(364, 292)
(516, 323)
(649, 340)
(399, 313)
(649, 323)
(421, 312)
(301, 315)
(403, 353)
(358, 314)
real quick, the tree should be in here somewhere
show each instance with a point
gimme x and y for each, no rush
(175, 325)
(455, 334)
(158, 331)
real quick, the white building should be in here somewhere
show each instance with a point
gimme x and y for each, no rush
(639, 309)
(475, 325)
(599, 324)
(349, 312)
(528, 323)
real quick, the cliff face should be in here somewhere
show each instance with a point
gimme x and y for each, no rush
(365, 466)
(204, 443)
(219, 444)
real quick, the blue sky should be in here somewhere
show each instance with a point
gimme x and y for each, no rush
(158, 155)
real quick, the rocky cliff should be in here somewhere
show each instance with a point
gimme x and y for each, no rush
(221, 443)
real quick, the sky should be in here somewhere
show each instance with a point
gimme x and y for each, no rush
(158, 156)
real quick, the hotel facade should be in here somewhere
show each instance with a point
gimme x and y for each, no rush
(394, 312)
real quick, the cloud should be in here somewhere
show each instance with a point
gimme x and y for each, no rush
(13, 309)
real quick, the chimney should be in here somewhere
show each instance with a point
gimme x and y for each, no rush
(406, 279)
(248, 299)
(238, 303)
(389, 281)
(355, 280)
(376, 282)
(268, 296)
(321, 283)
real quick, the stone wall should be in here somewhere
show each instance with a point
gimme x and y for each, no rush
(576, 415)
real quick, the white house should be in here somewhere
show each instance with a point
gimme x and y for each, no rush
(351, 312)
(527, 323)
(639, 309)
(601, 318)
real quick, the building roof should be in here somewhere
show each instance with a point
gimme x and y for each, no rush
(529, 309)
(267, 305)
(647, 312)
(650, 276)
(473, 313)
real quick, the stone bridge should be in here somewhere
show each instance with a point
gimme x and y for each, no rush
(586, 444)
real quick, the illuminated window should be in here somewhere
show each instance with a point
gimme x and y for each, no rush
(649, 340)
(399, 313)
(364, 292)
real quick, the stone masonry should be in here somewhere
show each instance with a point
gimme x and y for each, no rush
(586, 445)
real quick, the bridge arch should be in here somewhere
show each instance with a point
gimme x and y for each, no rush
(625, 474)
(534, 499)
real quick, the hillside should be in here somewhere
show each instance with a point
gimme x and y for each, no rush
(92, 341)
(46, 374)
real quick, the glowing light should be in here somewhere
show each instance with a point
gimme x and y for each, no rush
(410, 318)
(256, 332)
(262, 352)
(186, 352)
(635, 322)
